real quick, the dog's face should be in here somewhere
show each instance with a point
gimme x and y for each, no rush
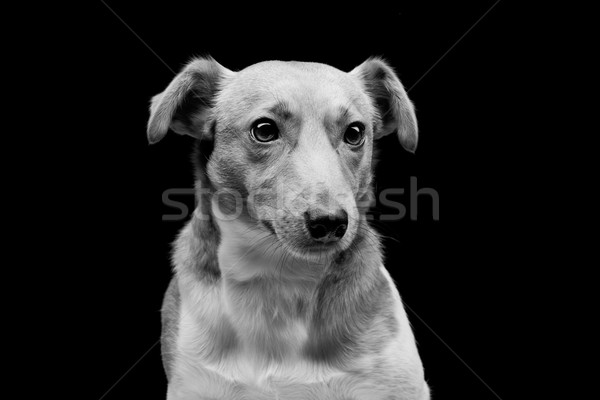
(292, 142)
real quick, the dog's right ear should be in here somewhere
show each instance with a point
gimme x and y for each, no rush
(186, 104)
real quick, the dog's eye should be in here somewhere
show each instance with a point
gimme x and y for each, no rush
(355, 134)
(265, 130)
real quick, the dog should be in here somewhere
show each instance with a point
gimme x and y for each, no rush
(279, 289)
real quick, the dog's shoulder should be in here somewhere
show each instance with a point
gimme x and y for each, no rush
(389, 350)
(170, 324)
(388, 330)
(194, 263)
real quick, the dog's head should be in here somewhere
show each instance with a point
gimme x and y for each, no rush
(292, 142)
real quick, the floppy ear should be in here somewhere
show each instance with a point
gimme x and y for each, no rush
(185, 105)
(396, 111)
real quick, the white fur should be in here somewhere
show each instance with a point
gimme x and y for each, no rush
(245, 374)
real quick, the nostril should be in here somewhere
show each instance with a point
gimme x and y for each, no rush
(339, 232)
(318, 231)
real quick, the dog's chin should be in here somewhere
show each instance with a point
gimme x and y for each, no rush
(319, 253)
(313, 252)
(302, 249)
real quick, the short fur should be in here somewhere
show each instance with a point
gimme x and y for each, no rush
(256, 309)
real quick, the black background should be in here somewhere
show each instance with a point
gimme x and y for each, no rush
(456, 275)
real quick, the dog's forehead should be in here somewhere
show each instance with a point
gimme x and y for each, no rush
(273, 71)
(300, 81)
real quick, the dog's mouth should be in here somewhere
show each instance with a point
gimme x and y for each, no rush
(305, 248)
(319, 249)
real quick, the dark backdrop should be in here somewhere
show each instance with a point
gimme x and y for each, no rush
(454, 274)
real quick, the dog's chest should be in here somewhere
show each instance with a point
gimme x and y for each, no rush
(269, 323)
(246, 374)
(271, 387)
(263, 365)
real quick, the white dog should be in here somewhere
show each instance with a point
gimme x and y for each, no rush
(280, 290)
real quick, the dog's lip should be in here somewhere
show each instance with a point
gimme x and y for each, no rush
(269, 226)
(313, 248)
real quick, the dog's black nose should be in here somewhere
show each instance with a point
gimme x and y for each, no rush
(326, 227)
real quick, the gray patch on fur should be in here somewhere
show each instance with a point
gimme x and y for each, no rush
(170, 328)
(206, 234)
(224, 340)
(199, 242)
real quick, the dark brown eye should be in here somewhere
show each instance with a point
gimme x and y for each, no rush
(265, 130)
(355, 134)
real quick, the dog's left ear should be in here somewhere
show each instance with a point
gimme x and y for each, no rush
(186, 104)
(396, 111)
